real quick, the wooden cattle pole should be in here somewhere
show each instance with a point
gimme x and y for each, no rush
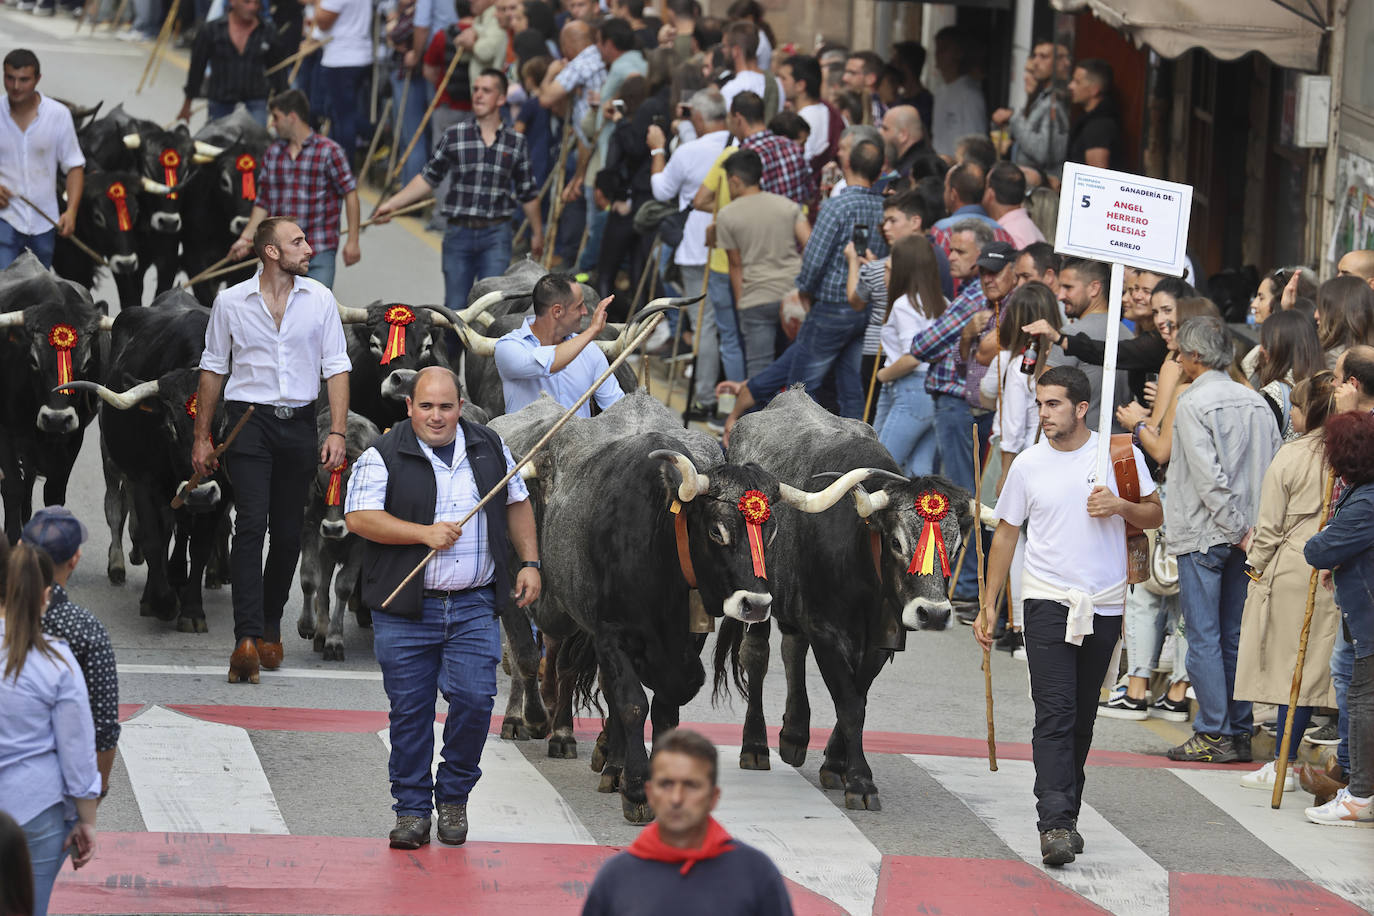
(987, 653)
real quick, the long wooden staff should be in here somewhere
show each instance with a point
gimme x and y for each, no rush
(424, 122)
(525, 223)
(95, 255)
(987, 653)
(157, 46)
(1281, 764)
(377, 135)
(310, 48)
(180, 499)
(171, 27)
(396, 130)
(534, 450)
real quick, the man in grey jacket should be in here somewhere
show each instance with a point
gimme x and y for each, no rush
(1224, 439)
(1040, 128)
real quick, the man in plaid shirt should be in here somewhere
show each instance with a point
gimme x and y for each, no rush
(489, 168)
(304, 177)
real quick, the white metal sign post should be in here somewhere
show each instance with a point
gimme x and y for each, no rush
(1122, 219)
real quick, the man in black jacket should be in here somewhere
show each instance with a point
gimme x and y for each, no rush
(405, 498)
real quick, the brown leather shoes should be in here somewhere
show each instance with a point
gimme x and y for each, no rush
(269, 653)
(1323, 783)
(244, 663)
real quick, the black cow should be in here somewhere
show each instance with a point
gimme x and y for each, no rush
(376, 390)
(53, 333)
(106, 222)
(328, 550)
(850, 596)
(220, 195)
(147, 423)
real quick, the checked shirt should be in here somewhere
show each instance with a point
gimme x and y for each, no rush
(785, 171)
(307, 189)
(489, 182)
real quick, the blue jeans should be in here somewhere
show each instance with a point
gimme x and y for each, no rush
(722, 301)
(13, 242)
(322, 264)
(905, 422)
(758, 330)
(339, 87)
(408, 121)
(470, 255)
(1211, 592)
(46, 833)
(954, 445)
(596, 225)
(1302, 717)
(832, 336)
(257, 110)
(1342, 670)
(453, 648)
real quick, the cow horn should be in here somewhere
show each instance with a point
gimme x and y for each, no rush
(486, 301)
(352, 315)
(866, 503)
(152, 187)
(473, 342)
(132, 141)
(983, 513)
(202, 159)
(12, 319)
(206, 149)
(819, 502)
(106, 322)
(529, 472)
(122, 400)
(693, 481)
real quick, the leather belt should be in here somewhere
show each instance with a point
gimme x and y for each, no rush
(280, 411)
(441, 593)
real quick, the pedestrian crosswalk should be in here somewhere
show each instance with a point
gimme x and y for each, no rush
(193, 772)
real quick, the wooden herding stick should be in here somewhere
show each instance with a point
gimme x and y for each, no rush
(987, 653)
(95, 255)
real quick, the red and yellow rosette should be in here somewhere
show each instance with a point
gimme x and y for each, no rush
(62, 338)
(931, 506)
(333, 494)
(119, 195)
(397, 316)
(170, 159)
(191, 405)
(753, 505)
(246, 165)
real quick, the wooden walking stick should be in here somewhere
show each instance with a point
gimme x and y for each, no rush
(556, 199)
(377, 135)
(94, 255)
(396, 133)
(212, 271)
(1281, 764)
(309, 48)
(157, 47)
(534, 450)
(171, 27)
(180, 499)
(987, 653)
(525, 223)
(429, 112)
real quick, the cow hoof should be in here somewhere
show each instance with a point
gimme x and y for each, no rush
(146, 610)
(598, 761)
(513, 729)
(831, 779)
(191, 625)
(859, 801)
(136, 556)
(537, 730)
(636, 812)
(754, 759)
(563, 747)
(792, 751)
(305, 629)
(333, 651)
(212, 583)
(610, 780)
(318, 643)
(364, 616)
(116, 574)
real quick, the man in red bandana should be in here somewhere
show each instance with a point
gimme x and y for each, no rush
(685, 864)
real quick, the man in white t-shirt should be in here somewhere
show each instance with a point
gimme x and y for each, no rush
(800, 78)
(741, 43)
(1074, 585)
(344, 62)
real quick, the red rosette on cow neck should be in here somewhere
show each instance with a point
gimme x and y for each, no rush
(932, 507)
(62, 338)
(333, 494)
(397, 316)
(753, 505)
(118, 196)
(247, 165)
(191, 404)
(170, 159)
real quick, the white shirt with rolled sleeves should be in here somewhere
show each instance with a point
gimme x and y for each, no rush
(524, 366)
(29, 160)
(681, 178)
(468, 562)
(270, 365)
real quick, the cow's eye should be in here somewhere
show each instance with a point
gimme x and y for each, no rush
(720, 534)
(98, 218)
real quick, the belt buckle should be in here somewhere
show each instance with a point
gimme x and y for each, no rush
(283, 413)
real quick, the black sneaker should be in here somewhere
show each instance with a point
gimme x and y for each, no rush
(1056, 847)
(1121, 706)
(1011, 641)
(1241, 744)
(1203, 748)
(1172, 710)
(966, 615)
(1326, 736)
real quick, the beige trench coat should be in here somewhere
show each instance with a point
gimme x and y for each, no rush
(1290, 504)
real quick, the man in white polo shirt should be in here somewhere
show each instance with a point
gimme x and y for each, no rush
(546, 354)
(36, 137)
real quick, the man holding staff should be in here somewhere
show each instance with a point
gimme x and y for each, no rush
(406, 497)
(1074, 584)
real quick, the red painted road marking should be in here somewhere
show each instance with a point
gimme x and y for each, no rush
(972, 887)
(1229, 895)
(308, 875)
(291, 719)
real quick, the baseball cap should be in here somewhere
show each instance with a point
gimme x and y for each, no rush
(996, 256)
(57, 531)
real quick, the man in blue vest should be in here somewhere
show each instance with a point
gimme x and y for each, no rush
(405, 498)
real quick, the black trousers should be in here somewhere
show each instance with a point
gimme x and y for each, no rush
(271, 465)
(1065, 684)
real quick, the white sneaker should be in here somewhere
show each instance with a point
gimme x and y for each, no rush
(1019, 653)
(658, 337)
(1345, 810)
(1264, 777)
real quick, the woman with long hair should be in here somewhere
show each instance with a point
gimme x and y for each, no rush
(1289, 513)
(49, 781)
(1290, 351)
(1012, 390)
(905, 420)
(1346, 548)
(1345, 316)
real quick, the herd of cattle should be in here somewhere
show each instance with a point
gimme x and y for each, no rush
(649, 533)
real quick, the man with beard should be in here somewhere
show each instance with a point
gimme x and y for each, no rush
(272, 337)
(1083, 290)
(1074, 584)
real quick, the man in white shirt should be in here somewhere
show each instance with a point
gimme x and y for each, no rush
(1074, 585)
(345, 60)
(741, 43)
(960, 108)
(546, 354)
(273, 337)
(36, 137)
(800, 78)
(679, 178)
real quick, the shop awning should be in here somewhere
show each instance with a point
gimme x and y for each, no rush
(1288, 32)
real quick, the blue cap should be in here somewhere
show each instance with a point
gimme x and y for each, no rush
(57, 531)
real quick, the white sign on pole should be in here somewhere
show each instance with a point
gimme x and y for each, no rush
(1124, 219)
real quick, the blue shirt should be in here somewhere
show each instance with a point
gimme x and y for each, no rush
(824, 271)
(435, 15)
(968, 211)
(47, 738)
(524, 366)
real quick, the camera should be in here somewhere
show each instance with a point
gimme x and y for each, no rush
(618, 105)
(860, 238)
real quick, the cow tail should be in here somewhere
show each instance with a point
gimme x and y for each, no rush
(577, 656)
(729, 636)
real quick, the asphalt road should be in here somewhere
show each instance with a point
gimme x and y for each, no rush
(325, 775)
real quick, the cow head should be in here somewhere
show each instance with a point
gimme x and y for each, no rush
(331, 484)
(109, 212)
(59, 337)
(231, 173)
(898, 514)
(403, 339)
(166, 157)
